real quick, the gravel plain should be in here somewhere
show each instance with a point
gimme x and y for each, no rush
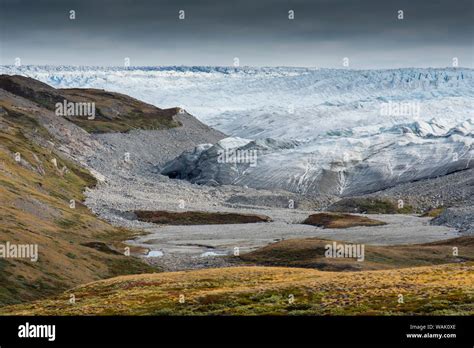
(131, 162)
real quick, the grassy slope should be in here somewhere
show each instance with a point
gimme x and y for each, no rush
(309, 253)
(444, 290)
(34, 208)
(115, 112)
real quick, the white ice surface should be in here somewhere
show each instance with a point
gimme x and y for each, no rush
(347, 143)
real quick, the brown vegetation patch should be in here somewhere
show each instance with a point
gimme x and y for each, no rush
(310, 253)
(198, 218)
(333, 220)
(369, 205)
(433, 213)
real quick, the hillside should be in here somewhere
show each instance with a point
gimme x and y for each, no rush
(114, 112)
(37, 184)
(438, 290)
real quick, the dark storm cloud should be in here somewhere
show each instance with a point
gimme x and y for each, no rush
(257, 32)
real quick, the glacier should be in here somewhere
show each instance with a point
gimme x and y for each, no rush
(334, 131)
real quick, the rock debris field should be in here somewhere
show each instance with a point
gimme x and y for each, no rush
(130, 164)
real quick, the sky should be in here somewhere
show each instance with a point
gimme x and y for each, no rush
(368, 33)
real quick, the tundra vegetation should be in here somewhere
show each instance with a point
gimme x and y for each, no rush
(42, 203)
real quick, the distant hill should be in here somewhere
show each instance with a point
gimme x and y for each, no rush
(114, 112)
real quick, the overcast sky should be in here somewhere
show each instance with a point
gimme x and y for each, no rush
(258, 32)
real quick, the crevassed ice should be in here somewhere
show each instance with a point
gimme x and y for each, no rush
(351, 131)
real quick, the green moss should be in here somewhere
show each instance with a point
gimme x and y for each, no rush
(128, 265)
(128, 123)
(435, 212)
(66, 224)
